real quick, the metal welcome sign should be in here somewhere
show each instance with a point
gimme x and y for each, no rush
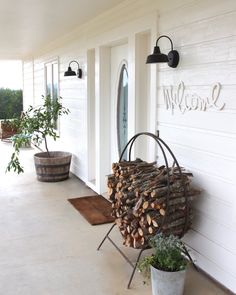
(178, 98)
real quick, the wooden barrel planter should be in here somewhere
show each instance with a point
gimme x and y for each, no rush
(53, 169)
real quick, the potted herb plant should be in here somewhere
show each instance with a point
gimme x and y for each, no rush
(166, 266)
(38, 123)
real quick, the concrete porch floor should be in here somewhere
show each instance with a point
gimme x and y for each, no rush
(48, 248)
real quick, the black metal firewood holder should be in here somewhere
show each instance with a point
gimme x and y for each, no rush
(163, 147)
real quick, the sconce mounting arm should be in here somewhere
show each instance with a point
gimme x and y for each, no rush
(172, 58)
(167, 38)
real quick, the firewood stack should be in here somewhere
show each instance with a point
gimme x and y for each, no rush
(143, 204)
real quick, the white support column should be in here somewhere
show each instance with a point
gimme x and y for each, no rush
(152, 118)
(102, 108)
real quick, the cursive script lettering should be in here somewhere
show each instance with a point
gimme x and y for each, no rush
(178, 99)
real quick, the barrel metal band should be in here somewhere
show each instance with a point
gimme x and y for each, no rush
(51, 166)
(54, 174)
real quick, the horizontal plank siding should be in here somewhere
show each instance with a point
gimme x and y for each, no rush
(219, 272)
(205, 141)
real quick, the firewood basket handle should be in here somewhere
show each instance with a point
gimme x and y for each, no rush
(159, 142)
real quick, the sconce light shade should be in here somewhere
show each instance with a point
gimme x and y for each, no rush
(157, 57)
(70, 72)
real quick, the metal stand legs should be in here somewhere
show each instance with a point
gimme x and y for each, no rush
(106, 236)
(134, 266)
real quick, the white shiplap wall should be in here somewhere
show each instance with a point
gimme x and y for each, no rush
(73, 91)
(203, 31)
(205, 142)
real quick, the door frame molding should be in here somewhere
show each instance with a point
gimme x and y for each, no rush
(102, 93)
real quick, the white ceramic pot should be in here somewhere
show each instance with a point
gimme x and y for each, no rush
(167, 283)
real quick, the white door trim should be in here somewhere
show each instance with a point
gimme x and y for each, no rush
(102, 96)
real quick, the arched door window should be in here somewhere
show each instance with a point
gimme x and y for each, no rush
(122, 110)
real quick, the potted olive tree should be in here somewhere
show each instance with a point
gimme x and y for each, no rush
(166, 266)
(38, 123)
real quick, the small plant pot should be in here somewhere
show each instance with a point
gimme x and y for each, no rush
(54, 168)
(167, 283)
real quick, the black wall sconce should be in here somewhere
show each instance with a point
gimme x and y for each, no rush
(172, 58)
(69, 72)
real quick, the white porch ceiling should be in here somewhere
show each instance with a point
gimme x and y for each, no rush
(29, 25)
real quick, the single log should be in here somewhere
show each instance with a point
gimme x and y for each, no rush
(140, 231)
(155, 224)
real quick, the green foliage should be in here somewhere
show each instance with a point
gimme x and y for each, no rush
(11, 103)
(14, 164)
(168, 255)
(144, 266)
(37, 123)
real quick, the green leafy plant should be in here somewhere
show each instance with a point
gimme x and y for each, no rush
(169, 255)
(38, 123)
